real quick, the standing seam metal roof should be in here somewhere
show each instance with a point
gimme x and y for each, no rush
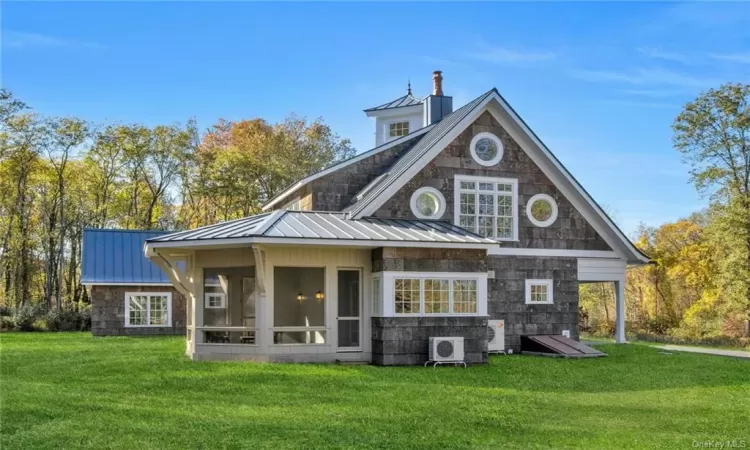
(116, 256)
(329, 225)
(401, 102)
(415, 153)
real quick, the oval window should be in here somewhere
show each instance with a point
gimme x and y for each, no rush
(542, 210)
(427, 203)
(486, 149)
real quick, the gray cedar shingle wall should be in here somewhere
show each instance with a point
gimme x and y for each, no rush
(506, 297)
(405, 340)
(108, 311)
(428, 260)
(570, 230)
(336, 191)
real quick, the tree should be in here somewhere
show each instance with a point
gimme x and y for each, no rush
(713, 135)
(241, 165)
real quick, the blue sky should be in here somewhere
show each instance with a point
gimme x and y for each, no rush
(600, 83)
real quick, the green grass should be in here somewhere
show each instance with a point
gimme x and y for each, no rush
(71, 390)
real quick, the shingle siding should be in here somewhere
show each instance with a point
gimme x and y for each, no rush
(337, 190)
(108, 311)
(569, 231)
(507, 299)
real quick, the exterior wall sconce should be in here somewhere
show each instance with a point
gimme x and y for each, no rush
(300, 297)
(319, 296)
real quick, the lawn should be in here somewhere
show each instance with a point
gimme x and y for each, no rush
(72, 390)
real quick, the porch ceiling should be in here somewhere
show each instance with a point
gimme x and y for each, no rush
(325, 228)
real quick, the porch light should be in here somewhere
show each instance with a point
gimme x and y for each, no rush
(300, 297)
(319, 296)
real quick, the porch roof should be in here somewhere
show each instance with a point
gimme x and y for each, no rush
(326, 228)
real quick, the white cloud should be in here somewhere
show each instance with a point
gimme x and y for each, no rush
(23, 40)
(658, 93)
(743, 58)
(645, 77)
(666, 56)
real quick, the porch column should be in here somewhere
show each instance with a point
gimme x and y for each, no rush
(620, 311)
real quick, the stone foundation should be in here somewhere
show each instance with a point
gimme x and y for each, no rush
(108, 311)
(400, 341)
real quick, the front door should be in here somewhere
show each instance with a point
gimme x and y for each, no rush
(349, 310)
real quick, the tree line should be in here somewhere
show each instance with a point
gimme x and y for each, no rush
(60, 175)
(699, 284)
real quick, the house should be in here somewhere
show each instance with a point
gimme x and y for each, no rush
(129, 294)
(456, 217)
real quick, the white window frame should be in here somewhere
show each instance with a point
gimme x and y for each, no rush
(148, 309)
(475, 179)
(498, 143)
(294, 205)
(377, 296)
(396, 122)
(437, 194)
(208, 295)
(388, 286)
(549, 283)
(553, 205)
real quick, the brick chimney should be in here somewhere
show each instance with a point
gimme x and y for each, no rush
(437, 105)
(437, 83)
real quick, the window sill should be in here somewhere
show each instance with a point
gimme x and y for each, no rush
(540, 303)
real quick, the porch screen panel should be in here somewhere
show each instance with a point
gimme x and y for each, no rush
(229, 301)
(299, 299)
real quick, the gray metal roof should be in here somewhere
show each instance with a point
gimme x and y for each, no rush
(406, 100)
(313, 225)
(238, 228)
(415, 153)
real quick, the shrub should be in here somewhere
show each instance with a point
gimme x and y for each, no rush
(6, 323)
(25, 316)
(69, 319)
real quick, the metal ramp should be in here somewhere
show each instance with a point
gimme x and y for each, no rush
(553, 345)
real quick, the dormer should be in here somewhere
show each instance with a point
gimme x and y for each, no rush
(407, 114)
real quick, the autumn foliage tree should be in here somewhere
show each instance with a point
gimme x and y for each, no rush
(61, 175)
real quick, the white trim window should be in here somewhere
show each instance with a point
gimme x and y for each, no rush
(539, 292)
(398, 129)
(487, 206)
(541, 209)
(148, 309)
(215, 300)
(433, 294)
(486, 149)
(427, 203)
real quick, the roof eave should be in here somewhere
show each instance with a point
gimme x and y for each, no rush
(151, 247)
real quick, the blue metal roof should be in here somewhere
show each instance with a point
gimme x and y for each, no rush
(116, 256)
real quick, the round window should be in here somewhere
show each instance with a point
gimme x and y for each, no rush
(427, 203)
(486, 149)
(542, 210)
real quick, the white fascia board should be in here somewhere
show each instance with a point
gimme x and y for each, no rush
(418, 165)
(361, 243)
(395, 112)
(550, 252)
(344, 164)
(562, 179)
(106, 283)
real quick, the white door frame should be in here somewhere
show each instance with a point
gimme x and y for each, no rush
(360, 307)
